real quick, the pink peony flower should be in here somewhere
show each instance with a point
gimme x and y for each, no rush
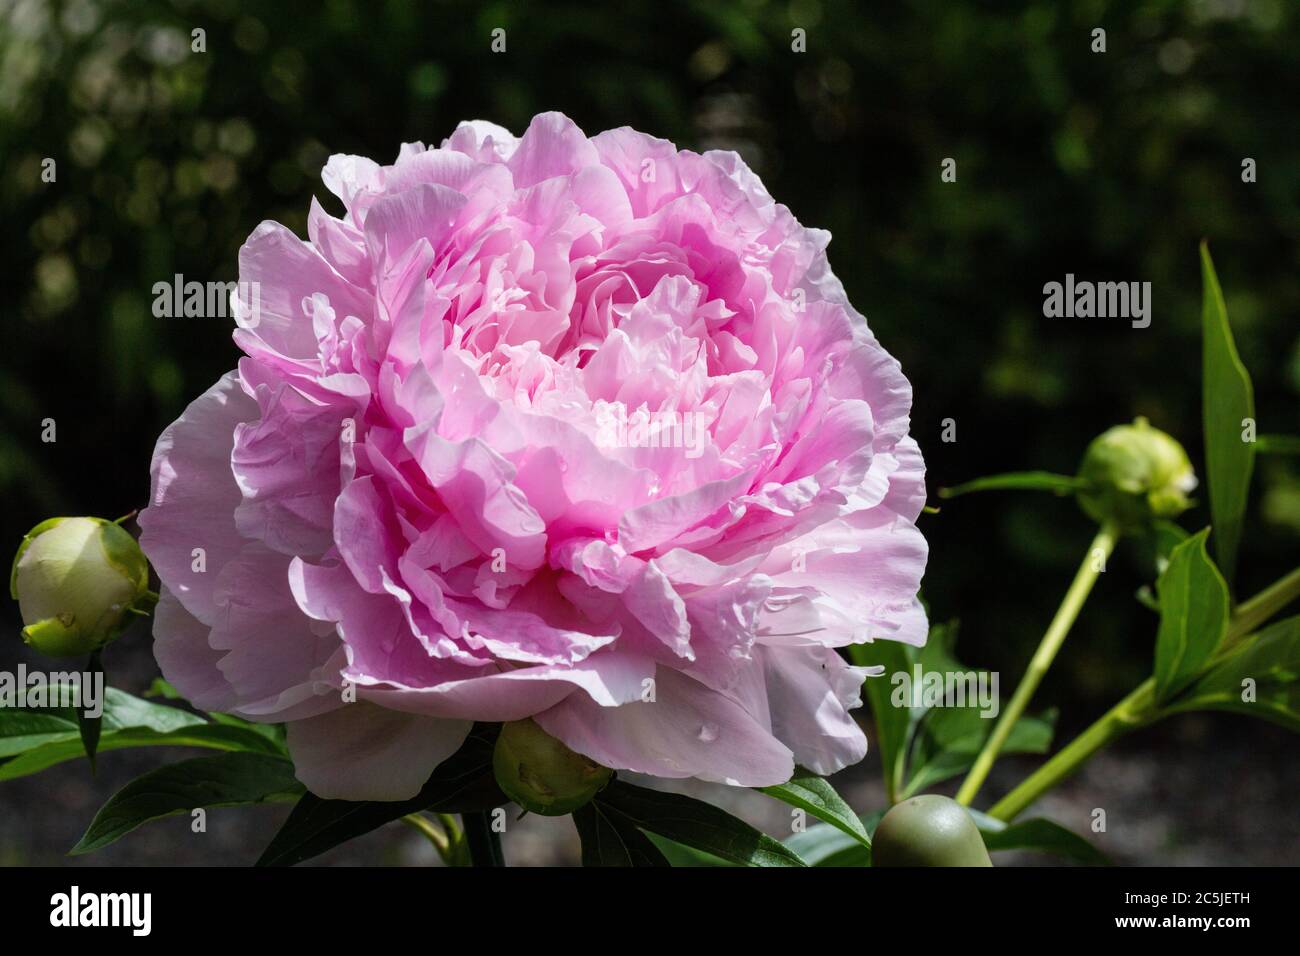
(583, 430)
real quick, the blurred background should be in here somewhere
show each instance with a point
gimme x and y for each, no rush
(1110, 165)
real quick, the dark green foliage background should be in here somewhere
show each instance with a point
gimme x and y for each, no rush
(1111, 166)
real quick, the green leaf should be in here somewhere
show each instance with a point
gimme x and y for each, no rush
(814, 794)
(950, 739)
(120, 710)
(1227, 398)
(919, 745)
(611, 839)
(894, 725)
(221, 781)
(1037, 834)
(1018, 481)
(22, 729)
(1193, 616)
(696, 824)
(1260, 678)
(922, 745)
(33, 739)
(824, 845)
(70, 747)
(897, 721)
(462, 783)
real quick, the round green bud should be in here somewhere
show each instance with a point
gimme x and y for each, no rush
(928, 830)
(1134, 474)
(76, 580)
(542, 775)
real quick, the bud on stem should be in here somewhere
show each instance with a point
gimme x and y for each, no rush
(1134, 474)
(541, 774)
(76, 581)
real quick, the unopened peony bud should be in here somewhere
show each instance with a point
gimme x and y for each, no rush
(541, 774)
(76, 580)
(929, 830)
(1134, 474)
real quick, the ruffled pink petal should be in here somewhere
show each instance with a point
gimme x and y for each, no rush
(687, 731)
(287, 467)
(293, 675)
(180, 645)
(486, 142)
(810, 691)
(606, 680)
(551, 146)
(188, 530)
(277, 273)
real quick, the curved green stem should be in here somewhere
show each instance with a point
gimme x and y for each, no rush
(1133, 711)
(1052, 640)
(438, 838)
(1251, 614)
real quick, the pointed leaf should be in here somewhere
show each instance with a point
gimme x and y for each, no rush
(696, 824)
(812, 793)
(34, 738)
(221, 781)
(1260, 678)
(1227, 399)
(209, 736)
(1018, 481)
(1193, 616)
(1038, 834)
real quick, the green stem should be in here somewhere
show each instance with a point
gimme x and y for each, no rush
(1138, 708)
(483, 841)
(1052, 640)
(1133, 711)
(1251, 614)
(440, 840)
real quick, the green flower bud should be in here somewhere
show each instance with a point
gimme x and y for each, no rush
(1134, 474)
(542, 775)
(928, 830)
(76, 580)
